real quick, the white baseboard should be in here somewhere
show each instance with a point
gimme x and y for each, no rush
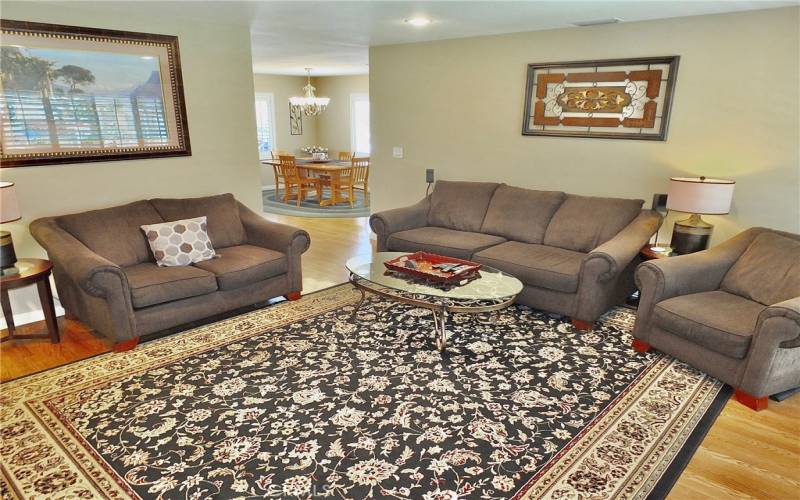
(31, 316)
(265, 188)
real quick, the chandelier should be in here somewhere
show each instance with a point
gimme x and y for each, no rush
(309, 104)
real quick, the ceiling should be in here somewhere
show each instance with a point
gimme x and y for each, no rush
(334, 37)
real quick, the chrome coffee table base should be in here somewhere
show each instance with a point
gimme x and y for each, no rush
(440, 306)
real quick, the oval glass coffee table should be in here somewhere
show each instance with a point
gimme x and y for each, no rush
(492, 290)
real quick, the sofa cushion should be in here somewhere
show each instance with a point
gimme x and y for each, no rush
(460, 205)
(536, 265)
(224, 225)
(151, 285)
(768, 271)
(244, 264)
(719, 321)
(439, 240)
(582, 223)
(521, 214)
(113, 233)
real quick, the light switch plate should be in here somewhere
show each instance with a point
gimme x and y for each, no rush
(397, 152)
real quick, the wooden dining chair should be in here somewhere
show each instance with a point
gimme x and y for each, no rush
(345, 155)
(278, 153)
(275, 155)
(360, 176)
(294, 178)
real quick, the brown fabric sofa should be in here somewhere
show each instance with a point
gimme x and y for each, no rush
(732, 311)
(575, 254)
(106, 275)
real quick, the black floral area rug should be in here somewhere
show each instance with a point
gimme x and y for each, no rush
(303, 400)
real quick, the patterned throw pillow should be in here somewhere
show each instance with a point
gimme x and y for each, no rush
(179, 243)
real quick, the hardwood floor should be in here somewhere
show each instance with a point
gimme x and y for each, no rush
(746, 454)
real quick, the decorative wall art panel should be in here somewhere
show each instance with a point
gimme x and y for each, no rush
(295, 120)
(611, 99)
(71, 94)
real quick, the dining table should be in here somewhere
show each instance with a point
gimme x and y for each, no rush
(322, 168)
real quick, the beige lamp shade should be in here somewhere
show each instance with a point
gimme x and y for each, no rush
(698, 195)
(9, 208)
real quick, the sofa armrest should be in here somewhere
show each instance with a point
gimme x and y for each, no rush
(289, 240)
(96, 275)
(273, 235)
(615, 254)
(789, 310)
(385, 223)
(773, 360)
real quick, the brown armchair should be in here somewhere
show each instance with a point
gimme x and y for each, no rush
(732, 311)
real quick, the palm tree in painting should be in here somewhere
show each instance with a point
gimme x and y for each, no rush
(22, 72)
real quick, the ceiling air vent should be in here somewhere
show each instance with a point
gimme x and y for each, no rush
(597, 22)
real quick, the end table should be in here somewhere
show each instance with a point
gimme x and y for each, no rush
(30, 271)
(648, 253)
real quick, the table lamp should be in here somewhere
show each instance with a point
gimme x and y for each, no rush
(697, 196)
(9, 212)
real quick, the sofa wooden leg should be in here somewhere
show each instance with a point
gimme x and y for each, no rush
(751, 402)
(292, 296)
(582, 325)
(126, 345)
(640, 345)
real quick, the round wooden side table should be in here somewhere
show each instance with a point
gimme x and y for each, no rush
(28, 272)
(648, 253)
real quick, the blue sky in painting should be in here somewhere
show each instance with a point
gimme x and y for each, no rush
(114, 73)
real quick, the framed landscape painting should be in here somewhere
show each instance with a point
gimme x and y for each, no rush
(609, 99)
(71, 94)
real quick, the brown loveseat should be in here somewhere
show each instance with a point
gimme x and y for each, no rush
(106, 275)
(732, 311)
(574, 254)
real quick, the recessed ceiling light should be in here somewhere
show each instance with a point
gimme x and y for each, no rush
(418, 21)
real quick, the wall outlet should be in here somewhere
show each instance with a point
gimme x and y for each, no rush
(429, 177)
(397, 152)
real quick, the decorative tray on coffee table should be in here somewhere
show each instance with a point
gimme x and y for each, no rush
(433, 267)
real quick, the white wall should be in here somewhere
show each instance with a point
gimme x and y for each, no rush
(218, 87)
(333, 126)
(457, 106)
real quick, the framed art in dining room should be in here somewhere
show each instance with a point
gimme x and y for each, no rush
(295, 120)
(608, 99)
(74, 94)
